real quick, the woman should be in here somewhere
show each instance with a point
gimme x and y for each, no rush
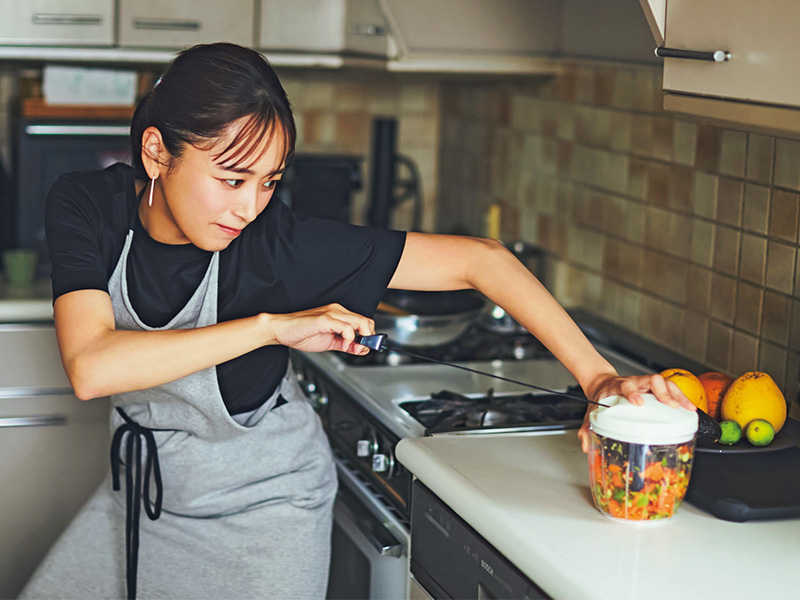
(179, 288)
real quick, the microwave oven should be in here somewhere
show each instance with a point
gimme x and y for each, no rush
(43, 150)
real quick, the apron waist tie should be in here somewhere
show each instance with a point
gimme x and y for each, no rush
(133, 487)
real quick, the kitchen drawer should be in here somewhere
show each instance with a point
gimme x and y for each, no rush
(29, 361)
(338, 26)
(182, 23)
(57, 22)
(53, 455)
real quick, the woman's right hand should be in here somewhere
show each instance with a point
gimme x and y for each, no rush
(330, 327)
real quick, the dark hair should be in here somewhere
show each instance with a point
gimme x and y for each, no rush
(204, 89)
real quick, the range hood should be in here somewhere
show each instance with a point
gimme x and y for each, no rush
(500, 36)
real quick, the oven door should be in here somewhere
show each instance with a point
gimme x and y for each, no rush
(370, 546)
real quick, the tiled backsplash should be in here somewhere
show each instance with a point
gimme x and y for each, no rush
(683, 232)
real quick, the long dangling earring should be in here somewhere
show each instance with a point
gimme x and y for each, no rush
(152, 185)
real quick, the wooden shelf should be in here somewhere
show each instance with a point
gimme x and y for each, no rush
(38, 108)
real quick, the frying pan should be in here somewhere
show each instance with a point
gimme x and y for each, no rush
(426, 319)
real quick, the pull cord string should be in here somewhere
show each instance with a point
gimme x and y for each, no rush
(394, 348)
(133, 487)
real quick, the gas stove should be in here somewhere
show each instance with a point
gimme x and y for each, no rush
(368, 404)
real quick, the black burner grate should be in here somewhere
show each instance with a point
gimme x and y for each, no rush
(451, 411)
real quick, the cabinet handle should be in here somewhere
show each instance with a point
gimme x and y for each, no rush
(94, 130)
(28, 392)
(368, 29)
(37, 421)
(164, 25)
(712, 55)
(66, 19)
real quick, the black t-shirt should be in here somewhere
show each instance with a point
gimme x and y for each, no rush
(278, 264)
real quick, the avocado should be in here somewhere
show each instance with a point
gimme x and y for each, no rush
(708, 430)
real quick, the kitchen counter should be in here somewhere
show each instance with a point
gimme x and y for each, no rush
(26, 305)
(528, 495)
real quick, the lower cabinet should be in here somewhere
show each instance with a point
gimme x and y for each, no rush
(53, 454)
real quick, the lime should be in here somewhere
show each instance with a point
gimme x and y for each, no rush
(759, 432)
(731, 433)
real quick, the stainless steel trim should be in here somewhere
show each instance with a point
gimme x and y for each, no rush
(35, 421)
(66, 19)
(102, 130)
(28, 392)
(166, 25)
(709, 55)
(347, 519)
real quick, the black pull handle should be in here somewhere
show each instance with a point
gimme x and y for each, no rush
(710, 55)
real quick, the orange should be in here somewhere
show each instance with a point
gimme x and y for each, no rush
(752, 396)
(690, 385)
(715, 385)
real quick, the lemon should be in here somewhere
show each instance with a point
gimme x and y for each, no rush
(731, 433)
(759, 432)
(690, 385)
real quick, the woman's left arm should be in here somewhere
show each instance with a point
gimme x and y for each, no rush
(445, 262)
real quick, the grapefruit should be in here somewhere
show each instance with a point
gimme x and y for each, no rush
(690, 385)
(715, 385)
(751, 396)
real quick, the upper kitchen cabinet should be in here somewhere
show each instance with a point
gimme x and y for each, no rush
(182, 23)
(739, 64)
(57, 22)
(354, 27)
(512, 36)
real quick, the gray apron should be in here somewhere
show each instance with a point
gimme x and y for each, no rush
(247, 501)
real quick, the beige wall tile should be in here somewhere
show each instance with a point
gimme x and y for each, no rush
(760, 154)
(794, 331)
(723, 298)
(419, 132)
(638, 178)
(698, 290)
(679, 243)
(623, 89)
(685, 142)
(756, 208)
(318, 94)
(749, 303)
(621, 131)
(642, 134)
(744, 356)
(352, 131)
(704, 194)
(319, 129)
(663, 138)
(783, 219)
(680, 188)
(729, 203)
(349, 96)
(726, 250)
(657, 231)
(754, 258)
(775, 317)
(709, 141)
(418, 98)
(787, 164)
(702, 250)
(792, 385)
(659, 178)
(635, 222)
(772, 360)
(718, 351)
(695, 333)
(733, 153)
(780, 266)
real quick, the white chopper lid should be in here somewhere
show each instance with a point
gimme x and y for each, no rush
(651, 423)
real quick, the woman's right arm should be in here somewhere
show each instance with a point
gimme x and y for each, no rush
(101, 360)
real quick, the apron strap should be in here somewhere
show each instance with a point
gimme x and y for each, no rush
(133, 487)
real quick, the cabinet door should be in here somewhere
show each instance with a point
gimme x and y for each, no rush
(323, 26)
(181, 23)
(57, 22)
(53, 455)
(761, 37)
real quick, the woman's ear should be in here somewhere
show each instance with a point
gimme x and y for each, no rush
(154, 155)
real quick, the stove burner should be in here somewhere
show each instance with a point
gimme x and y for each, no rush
(475, 344)
(450, 411)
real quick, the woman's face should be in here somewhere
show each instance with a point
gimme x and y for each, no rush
(206, 199)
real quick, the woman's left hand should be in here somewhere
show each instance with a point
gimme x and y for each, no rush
(632, 388)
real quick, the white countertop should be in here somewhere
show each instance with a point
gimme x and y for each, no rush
(528, 495)
(29, 304)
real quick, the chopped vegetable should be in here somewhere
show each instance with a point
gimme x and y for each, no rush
(638, 482)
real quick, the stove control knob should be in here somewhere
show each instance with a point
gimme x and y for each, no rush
(382, 463)
(363, 448)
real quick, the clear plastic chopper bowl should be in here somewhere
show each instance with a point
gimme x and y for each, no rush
(640, 459)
